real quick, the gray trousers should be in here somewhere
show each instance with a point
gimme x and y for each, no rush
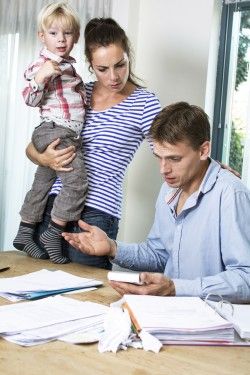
(69, 203)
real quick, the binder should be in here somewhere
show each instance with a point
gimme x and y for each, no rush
(179, 320)
(237, 314)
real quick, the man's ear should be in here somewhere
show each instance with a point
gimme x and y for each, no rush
(205, 149)
(41, 36)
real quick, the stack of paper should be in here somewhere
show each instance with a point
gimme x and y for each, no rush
(175, 320)
(37, 322)
(238, 315)
(41, 284)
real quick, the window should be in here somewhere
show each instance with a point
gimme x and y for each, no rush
(231, 132)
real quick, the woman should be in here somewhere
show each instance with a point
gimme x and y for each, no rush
(118, 118)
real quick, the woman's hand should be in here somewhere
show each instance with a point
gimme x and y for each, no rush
(52, 157)
(224, 166)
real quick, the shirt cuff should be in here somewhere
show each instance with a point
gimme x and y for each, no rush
(121, 252)
(35, 86)
(189, 288)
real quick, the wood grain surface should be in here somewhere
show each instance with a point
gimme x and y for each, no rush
(56, 358)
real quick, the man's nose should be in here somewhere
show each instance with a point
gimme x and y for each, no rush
(165, 167)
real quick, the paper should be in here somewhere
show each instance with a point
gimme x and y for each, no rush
(126, 277)
(42, 284)
(178, 319)
(238, 315)
(117, 328)
(32, 323)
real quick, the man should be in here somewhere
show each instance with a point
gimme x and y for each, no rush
(200, 239)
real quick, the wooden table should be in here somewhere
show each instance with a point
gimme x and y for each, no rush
(56, 357)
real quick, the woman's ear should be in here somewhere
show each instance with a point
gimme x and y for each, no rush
(205, 149)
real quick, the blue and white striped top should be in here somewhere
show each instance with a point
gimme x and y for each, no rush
(110, 140)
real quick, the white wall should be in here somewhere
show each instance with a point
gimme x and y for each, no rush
(176, 45)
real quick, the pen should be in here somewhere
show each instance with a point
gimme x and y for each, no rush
(4, 269)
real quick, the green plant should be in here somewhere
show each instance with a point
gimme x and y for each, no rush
(236, 151)
(236, 148)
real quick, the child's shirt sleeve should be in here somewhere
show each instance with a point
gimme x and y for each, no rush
(32, 92)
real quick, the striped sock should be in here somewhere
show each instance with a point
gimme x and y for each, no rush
(24, 241)
(52, 241)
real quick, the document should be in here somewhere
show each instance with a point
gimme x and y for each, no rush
(35, 322)
(237, 314)
(126, 277)
(42, 283)
(178, 319)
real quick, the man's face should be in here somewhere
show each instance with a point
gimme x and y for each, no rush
(181, 165)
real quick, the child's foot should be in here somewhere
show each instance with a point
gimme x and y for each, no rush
(24, 241)
(52, 241)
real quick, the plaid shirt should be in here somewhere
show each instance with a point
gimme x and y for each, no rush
(62, 98)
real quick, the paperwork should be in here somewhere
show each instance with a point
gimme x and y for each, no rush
(178, 320)
(36, 322)
(41, 284)
(126, 277)
(238, 315)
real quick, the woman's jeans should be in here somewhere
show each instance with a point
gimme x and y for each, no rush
(109, 224)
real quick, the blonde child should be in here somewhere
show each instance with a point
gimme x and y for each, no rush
(54, 86)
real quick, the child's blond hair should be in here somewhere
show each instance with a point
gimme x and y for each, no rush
(61, 12)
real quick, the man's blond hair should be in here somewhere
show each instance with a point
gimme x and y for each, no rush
(62, 12)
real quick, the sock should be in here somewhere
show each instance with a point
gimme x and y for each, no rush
(24, 241)
(52, 241)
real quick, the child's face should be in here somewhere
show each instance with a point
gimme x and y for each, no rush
(58, 40)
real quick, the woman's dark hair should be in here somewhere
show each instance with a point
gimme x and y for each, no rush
(101, 32)
(180, 122)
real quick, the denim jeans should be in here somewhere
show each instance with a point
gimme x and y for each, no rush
(108, 223)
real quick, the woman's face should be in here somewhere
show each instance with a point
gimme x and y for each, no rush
(111, 67)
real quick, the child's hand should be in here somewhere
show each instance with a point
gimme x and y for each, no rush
(47, 70)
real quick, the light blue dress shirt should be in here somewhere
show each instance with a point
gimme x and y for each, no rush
(206, 248)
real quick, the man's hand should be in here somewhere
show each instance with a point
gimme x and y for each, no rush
(47, 70)
(155, 284)
(92, 240)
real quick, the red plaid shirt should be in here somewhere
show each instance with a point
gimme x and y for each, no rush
(61, 97)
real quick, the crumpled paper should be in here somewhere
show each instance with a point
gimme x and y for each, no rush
(117, 328)
(118, 333)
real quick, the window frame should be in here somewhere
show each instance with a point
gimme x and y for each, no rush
(222, 76)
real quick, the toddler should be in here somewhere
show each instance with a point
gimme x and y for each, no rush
(54, 86)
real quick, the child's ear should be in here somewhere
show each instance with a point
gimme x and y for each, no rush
(41, 36)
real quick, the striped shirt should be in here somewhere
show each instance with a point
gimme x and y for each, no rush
(62, 98)
(110, 140)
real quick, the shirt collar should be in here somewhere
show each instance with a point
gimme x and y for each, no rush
(210, 177)
(50, 55)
